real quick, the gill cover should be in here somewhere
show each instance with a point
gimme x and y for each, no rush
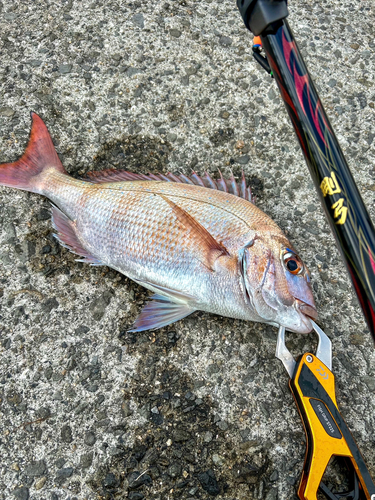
(258, 273)
(277, 284)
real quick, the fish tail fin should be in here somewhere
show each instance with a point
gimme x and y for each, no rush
(40, 155)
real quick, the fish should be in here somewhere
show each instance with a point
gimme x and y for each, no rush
(195, 242)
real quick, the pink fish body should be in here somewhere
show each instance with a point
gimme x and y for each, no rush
(196, 248)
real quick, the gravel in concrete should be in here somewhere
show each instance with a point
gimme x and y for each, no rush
(199, 409)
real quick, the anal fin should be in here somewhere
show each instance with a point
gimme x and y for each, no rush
(66, 235)
(159, 312)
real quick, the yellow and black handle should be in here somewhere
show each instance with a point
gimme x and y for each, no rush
(313, 388)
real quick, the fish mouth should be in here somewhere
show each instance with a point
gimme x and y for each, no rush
(307, 310)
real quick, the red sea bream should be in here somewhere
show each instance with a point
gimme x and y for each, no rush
(198, 244)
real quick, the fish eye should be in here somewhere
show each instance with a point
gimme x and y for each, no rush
(292, 265)
(292, 262)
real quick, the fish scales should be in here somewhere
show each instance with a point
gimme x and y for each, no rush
(131, 228)
(196, 248)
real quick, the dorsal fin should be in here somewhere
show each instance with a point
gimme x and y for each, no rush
(207, 248)
(227, 185)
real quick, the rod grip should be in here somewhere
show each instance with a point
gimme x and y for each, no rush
(259, 14)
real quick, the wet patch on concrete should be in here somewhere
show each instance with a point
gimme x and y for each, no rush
(135, 153)
(179, 438)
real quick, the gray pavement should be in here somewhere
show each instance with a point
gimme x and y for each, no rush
(200, 408)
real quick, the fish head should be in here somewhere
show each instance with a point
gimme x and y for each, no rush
(277, 284)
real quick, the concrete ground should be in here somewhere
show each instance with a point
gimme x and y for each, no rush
(200, 408)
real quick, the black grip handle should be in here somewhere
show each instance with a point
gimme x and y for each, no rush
(258, 14)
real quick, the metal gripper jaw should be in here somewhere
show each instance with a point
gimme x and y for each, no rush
(323, 352)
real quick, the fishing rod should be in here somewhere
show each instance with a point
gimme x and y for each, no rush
(338, 193)
(311, 380)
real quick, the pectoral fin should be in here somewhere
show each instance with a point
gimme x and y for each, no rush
(159, 312)
(173, 295)
(207, 248)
